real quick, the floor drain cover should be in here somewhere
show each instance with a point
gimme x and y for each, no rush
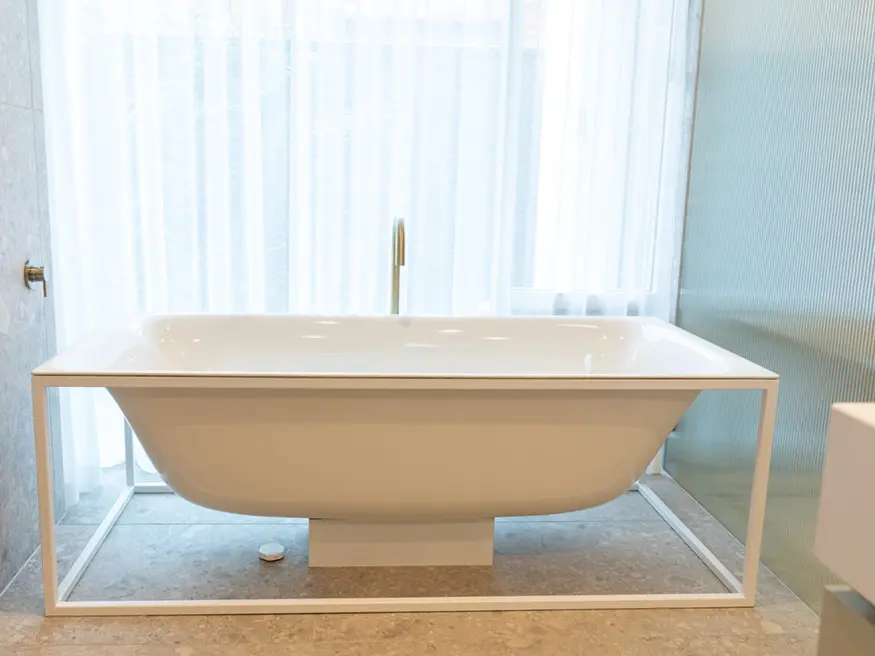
(271, 552)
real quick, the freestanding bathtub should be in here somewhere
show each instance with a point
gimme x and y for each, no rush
(401, 438)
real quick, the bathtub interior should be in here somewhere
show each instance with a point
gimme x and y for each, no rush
(276, 345)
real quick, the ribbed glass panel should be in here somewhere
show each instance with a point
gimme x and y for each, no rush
(779, 253)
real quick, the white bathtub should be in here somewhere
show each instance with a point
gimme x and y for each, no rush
(394, 432)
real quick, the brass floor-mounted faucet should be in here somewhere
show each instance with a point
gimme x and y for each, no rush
(398, 248)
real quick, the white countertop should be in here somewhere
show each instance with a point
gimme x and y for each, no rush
(845, 538)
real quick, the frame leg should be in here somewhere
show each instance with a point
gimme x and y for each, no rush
(77, 569)
(130, 473)
(42, 446)
(684, 532)
(759, 492)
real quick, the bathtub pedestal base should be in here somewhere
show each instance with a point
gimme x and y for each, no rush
(336, 543)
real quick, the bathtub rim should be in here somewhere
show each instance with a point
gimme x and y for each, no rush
(741, 593)
(114, 337)
(356, 382)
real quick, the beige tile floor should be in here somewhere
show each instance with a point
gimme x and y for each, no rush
(163, 546)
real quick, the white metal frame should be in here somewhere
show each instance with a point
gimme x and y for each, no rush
(740, 593)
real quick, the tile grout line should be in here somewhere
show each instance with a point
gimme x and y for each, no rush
(5, 103)
(18, 573)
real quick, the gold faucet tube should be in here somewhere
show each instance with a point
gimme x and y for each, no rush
(398, 261)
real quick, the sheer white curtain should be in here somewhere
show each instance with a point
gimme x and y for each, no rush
(250, 155)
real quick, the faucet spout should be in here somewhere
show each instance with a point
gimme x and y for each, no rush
(398, 261)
